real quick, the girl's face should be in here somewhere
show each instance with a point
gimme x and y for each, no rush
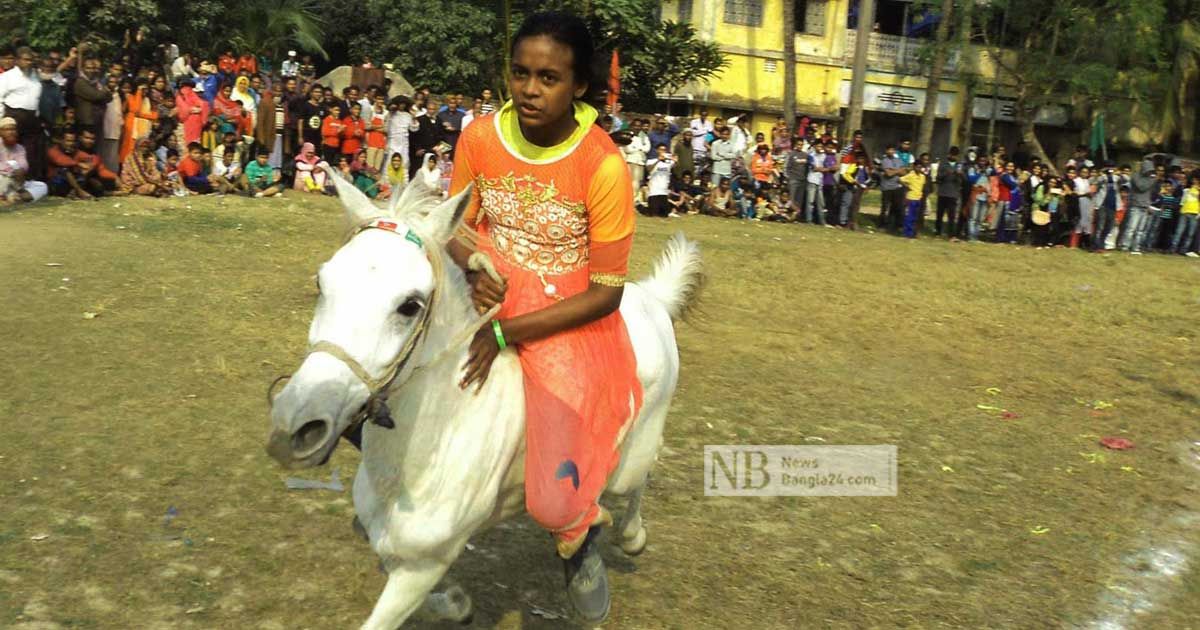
(397, 163)
(226, 91)
(160, 84)
(543, 82)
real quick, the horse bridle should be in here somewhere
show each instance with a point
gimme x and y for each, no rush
(375, 408)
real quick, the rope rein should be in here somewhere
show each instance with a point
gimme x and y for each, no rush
(375, 409)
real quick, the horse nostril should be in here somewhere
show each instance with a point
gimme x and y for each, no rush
(309, 438)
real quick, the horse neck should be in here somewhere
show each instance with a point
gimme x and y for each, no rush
(431, 412)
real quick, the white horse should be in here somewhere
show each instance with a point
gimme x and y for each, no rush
(393, 318)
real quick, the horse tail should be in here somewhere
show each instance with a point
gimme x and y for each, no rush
(678, 277)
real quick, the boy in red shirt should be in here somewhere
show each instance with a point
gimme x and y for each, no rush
(354, 130)
(331, 134)
(377, 134)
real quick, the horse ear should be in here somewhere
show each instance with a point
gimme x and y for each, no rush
(359, 207)
(414, 194)
(443, 220)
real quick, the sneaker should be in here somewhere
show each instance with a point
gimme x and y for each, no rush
(1192, 255)
(587, 580)
(258, 195)
(1136, 253)
(278, 194)
(674, 215)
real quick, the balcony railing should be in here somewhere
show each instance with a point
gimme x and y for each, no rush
(892, 53)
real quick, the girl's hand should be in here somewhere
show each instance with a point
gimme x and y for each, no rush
(486, 292)
(483, 351)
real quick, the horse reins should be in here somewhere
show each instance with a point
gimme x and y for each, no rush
(375, 408)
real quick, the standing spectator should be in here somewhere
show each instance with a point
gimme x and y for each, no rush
(475, 112)
(892, 167)
(762, 168)
(795, 169)
(701, 128)
(309, 116)
(423, 136)
(858, 178)
(91, 97)
(16, 185)
(308, 71)
(914, 185)
(829, 179)
(635, 154)
(449, 123)
(978, 183)
(950, 183)
(399, 125)
(227, 65)
(489, 104)
(1141, 188)
(20, 96)
(1189, 209)
(247, 64)
(662, 131)
(1084, 190)
(208, 84)
(192, 112)
(905, 153)
(331, 134)
(684, 158)
(1162, 211)
(181, 69)
(354, 132)
(1106, 200)
(1010, 204)
(659, 168)
(781, 138)
(377, 133)
(814, 200)
(139, 119)
(724, 151)
(114, 120)
(290, 67)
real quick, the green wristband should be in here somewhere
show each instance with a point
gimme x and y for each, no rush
(499, 334)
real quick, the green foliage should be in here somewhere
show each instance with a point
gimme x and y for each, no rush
(446, 44)
(270, 26)
(53, 24)
(115, 16)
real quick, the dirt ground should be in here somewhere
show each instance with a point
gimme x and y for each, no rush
(140, 336)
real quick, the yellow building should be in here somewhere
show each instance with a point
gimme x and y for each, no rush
(750, 33)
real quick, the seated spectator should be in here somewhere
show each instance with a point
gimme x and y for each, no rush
(685, 196)
(15, 187)
(259, 179)
(192, 172)
(309, 178)
(221, 184)
(397, 173)
(228, 168)
(719, 201)
(64, 170)
(107, 180)
(140, 174)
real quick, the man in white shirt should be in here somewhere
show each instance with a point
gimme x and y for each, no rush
(635, 153)
(290, 67)
(181, 68)
(20, 91)
(659, 192)
(814, 199)
(701, 126)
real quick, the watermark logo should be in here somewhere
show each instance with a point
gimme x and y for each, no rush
(735, 470)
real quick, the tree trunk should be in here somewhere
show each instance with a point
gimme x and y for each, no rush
(934, 84)
(858, 82)
(789, 64)
(1025, 114)
(967, 72)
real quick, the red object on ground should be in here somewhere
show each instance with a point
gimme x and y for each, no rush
(1116, 443)
(1009, 415)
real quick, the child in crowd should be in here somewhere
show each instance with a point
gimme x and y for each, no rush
(914, 185)
(354, 131)
(259, 179)
(331, 134)
(1189, 211)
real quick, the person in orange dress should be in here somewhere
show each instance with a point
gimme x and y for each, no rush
(553, 208)
(139, 117)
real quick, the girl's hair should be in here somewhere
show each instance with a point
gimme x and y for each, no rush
(570, 31)
(396, 155)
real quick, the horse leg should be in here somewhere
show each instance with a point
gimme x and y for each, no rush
(406, 589)
(633, 531)
(450, 604)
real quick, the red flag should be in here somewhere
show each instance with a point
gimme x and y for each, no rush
(614, 81)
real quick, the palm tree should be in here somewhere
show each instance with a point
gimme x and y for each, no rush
(271, 26)
(1178, 107)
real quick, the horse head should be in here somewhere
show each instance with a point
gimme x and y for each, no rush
(376, 295)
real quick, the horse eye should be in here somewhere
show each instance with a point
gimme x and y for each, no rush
(409, 308)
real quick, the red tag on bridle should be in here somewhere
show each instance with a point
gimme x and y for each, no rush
(386, 225)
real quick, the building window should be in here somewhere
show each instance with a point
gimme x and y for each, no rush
(685, 11)
(747, 12)
(810, 16)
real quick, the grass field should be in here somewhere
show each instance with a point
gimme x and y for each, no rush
(136, 493)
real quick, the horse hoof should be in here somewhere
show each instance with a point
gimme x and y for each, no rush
(358, 528)
(636, 545)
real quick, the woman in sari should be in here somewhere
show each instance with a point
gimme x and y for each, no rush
(140, 174)
(192, 112)
(553, 208)
(139, 117)
(309, 178)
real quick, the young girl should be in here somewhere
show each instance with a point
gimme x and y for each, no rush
(546, 174)
(309, 178)
(1047, 200)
